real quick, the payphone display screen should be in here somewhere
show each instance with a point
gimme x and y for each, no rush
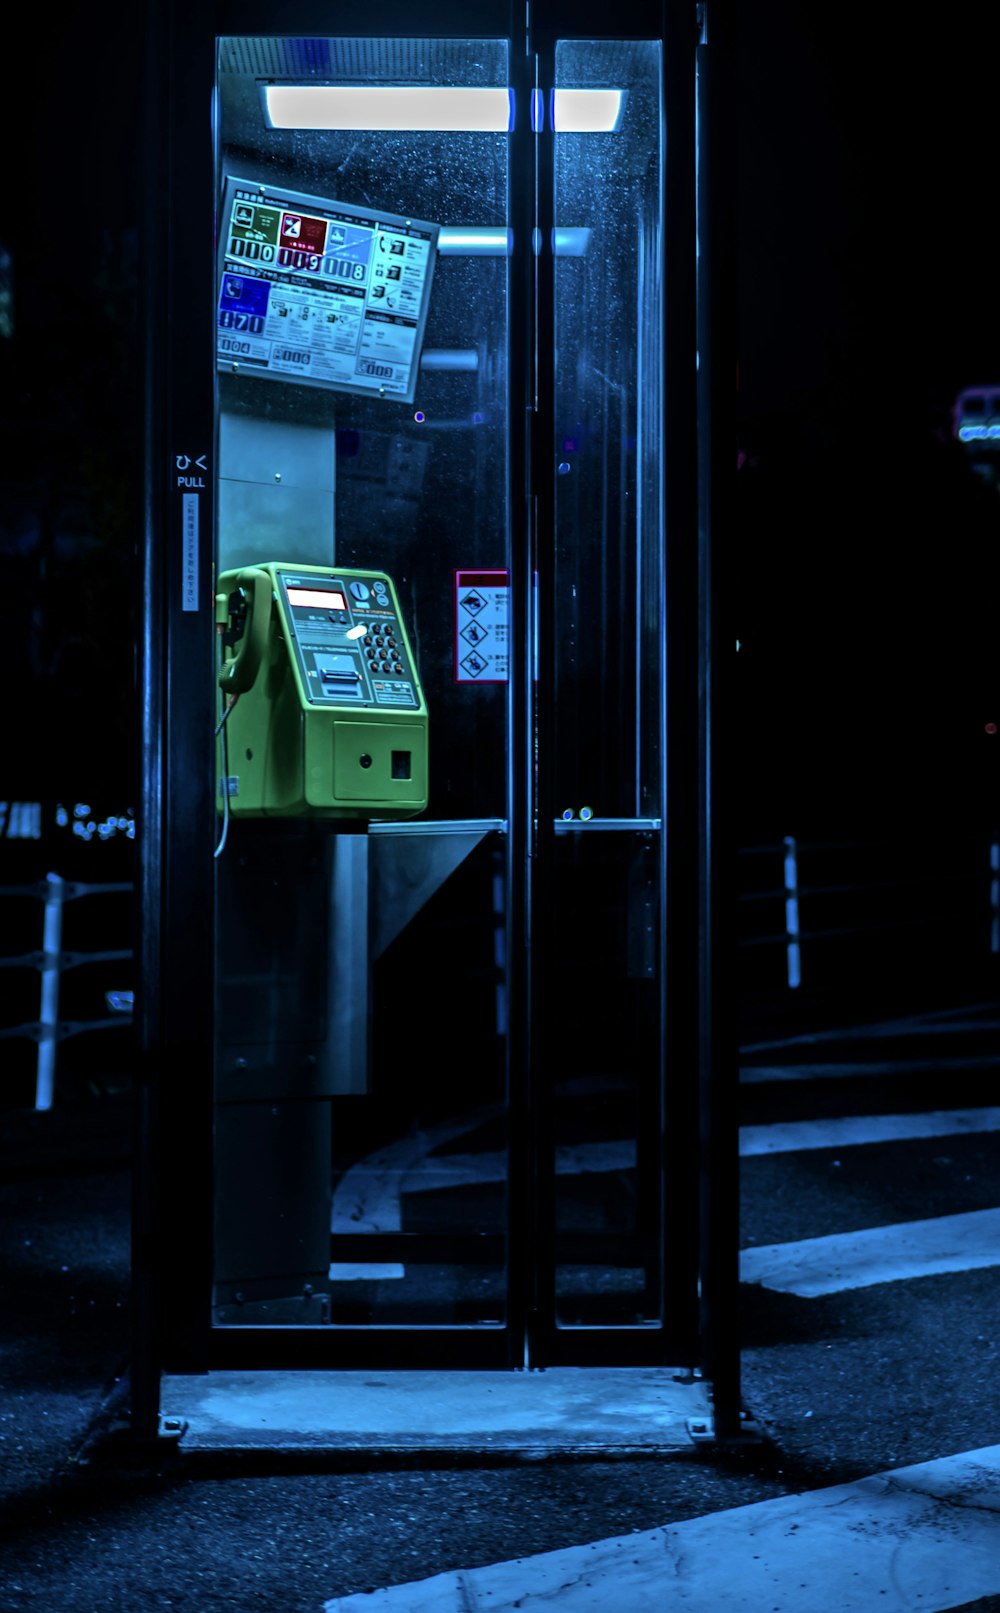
(315, 291)
(321, 598)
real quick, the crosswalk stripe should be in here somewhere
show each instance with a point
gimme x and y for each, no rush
(922, 1536)
(958, 1023)
(852, 1131)
(416, 1173)
(369, 1197)
(876, 1255)
(756, 1074)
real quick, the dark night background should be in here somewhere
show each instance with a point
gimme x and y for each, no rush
(866, 549)
(864, 583)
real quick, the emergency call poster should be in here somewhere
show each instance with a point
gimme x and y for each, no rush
(322, 293)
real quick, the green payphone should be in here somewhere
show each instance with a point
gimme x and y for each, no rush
(325, 716)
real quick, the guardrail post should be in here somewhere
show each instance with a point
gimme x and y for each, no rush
(48, 1029)
(794, 955)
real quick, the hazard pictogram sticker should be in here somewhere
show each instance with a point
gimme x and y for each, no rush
(481, 626)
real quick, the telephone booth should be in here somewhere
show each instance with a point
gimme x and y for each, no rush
(436, 1064)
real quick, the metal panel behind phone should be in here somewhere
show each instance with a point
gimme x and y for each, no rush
(276, 491)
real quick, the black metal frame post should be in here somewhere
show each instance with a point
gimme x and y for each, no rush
(521, 739)
(542, 1335)
(717, 469)
(171, 1248)
(144, 1374)
(680, 840)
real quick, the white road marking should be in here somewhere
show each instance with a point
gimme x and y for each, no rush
(915, 1537)
(887, 1254)
(754, 1074)
(466, 1170)
(369, 1196)
(948, 1022)
(854, 1131)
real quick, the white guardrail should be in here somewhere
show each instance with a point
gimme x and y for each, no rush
(48, 1030)
(982, 868)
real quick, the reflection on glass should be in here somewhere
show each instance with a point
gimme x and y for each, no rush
(361, 309)
(607, 1100)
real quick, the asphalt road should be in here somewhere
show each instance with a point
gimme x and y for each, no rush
(848, 1382)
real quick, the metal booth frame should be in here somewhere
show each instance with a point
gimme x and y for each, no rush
(172, 1328)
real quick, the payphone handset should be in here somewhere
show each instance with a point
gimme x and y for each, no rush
(327, 717)
(239, 672)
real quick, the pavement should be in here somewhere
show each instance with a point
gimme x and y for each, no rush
(273, 1527)
(869, 1487)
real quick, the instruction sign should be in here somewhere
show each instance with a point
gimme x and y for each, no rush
(315, 291)
(482, 625)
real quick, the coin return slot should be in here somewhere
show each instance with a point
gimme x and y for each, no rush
(401, 764)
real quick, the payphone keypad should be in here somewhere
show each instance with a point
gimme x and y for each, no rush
(348, 640)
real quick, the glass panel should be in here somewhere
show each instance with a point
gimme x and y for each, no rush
(607, 763)
(361, 567)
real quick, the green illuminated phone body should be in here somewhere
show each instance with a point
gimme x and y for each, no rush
(330, 720)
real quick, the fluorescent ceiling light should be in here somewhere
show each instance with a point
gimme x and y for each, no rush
(431, 107)
(475, 242)
(483, 242)
(387, 106)
(570, 243)
(586, 111)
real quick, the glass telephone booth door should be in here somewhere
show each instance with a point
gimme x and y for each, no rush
(425, 768)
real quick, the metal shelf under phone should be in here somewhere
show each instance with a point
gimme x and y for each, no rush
(405, 871)
(564, 826)
(484, 826)
(444, 826)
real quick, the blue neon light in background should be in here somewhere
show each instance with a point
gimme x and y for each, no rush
(434, 107)
(979, 433)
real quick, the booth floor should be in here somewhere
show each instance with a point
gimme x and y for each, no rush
(556, 1411)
